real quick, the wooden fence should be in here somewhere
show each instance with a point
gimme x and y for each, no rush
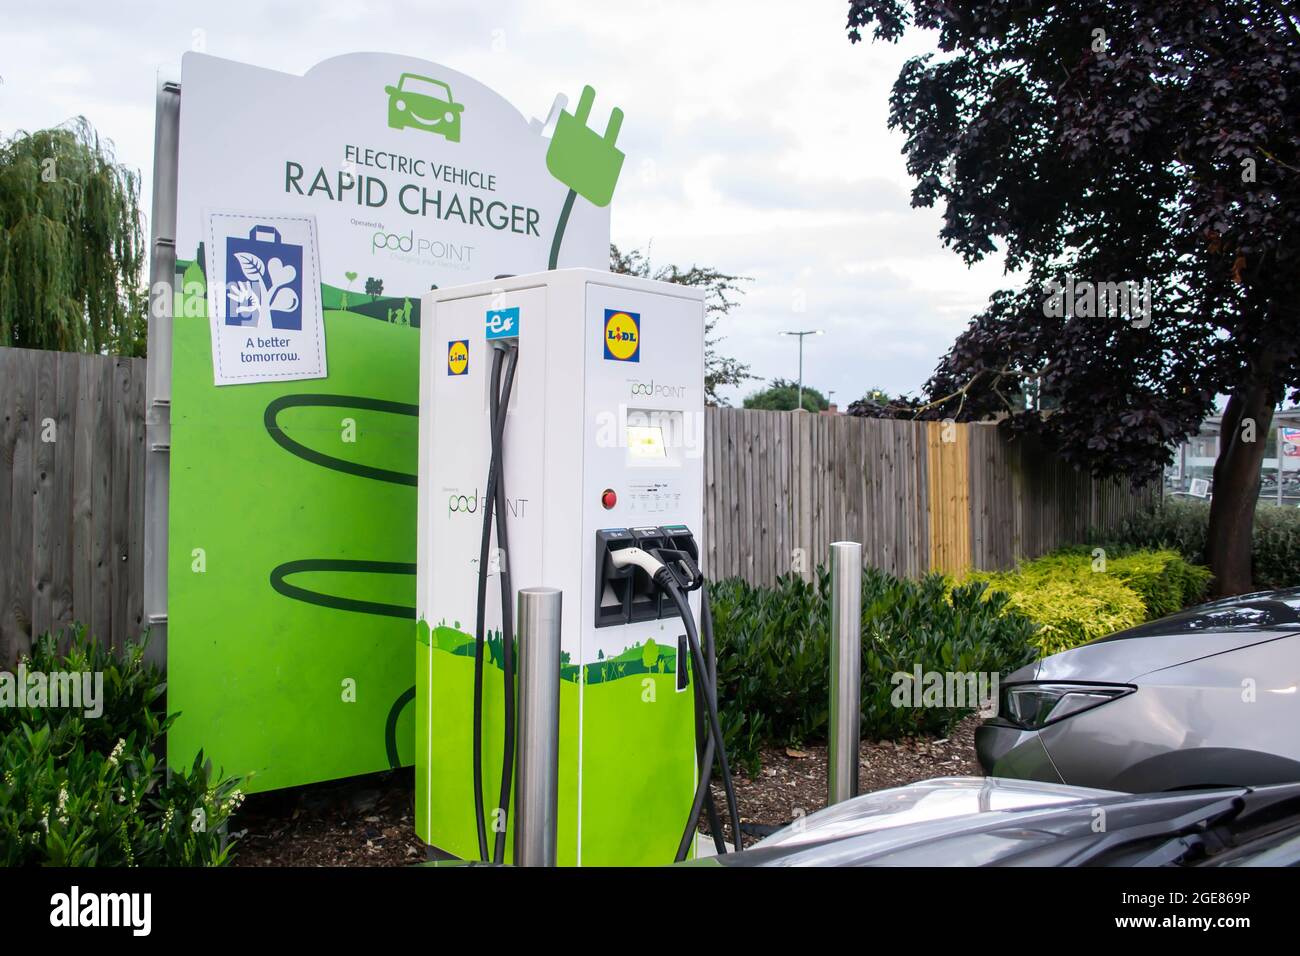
(779, 487)
(71, 496)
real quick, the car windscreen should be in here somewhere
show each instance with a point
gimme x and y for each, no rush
(422, 87)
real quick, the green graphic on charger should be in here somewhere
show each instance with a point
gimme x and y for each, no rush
(423, 103)
(626, 749)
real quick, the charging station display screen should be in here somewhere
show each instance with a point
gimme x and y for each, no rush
(646, 441)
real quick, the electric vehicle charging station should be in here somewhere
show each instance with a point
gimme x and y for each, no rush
(600, 442)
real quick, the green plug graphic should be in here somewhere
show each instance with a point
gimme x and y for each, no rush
(583, 160)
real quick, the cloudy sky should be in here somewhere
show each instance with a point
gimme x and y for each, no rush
(756, 142)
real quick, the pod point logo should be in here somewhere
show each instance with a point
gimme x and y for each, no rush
(424, 103)
(640, 388)
(458, 357)
(622, 335)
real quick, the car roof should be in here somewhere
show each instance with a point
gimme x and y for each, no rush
(426, 79)
(1258, 611)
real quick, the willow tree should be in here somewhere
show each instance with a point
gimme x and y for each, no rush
(72, 248)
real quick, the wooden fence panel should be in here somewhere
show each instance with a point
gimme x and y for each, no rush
(919, 496)
(71, 496)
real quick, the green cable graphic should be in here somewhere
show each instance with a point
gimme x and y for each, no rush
(329, 461)
(390, 726)
(283, 571)
(559, 229)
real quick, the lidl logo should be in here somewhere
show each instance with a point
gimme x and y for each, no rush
(622, 335)
(458, 357)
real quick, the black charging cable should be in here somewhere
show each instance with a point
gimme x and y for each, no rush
(678, 576)
(500, 406)
(494, 502)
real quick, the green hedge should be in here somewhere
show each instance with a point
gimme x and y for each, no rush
(773, 653)
(1182, 526)
(78, 790)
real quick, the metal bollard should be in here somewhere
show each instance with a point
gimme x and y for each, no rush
(846, 671)
(537, 766)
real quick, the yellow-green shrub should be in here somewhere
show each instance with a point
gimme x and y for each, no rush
(1165, 582)
(1070, 603)
(1073, 600)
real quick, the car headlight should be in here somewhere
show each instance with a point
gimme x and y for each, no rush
(1033, 706)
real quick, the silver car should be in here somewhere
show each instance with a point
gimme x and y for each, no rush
(1206, 698)
(983, 821)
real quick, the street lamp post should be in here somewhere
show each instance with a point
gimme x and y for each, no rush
(799, 402)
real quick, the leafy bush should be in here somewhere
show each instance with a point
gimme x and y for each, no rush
(1275, 548)
(773, 654)
(1182, 526)
(92, 791)
(1069, 602)
(1163, 579)
(1073, 600)
(940, 628)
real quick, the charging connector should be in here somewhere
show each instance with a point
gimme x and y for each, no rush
(664, 566)
(635, 557)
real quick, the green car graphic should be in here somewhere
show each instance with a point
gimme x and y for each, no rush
(424, 103)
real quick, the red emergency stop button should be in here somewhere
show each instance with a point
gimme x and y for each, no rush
(608, 499)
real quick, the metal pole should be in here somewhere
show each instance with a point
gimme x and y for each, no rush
(846, 671)
(537, 761)
(158, 370)
(1279, 466)
(799, 403)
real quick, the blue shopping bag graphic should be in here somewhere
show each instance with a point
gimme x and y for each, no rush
(263, 280)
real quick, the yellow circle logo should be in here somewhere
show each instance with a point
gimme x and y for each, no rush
(457, 357)
(622, 335)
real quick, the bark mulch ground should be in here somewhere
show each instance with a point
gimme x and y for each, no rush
(363, 821)
(793, 782)
(368, 821)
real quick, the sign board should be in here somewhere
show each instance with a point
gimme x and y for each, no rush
(339, 197)
(264, 303)
(1291, 442)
